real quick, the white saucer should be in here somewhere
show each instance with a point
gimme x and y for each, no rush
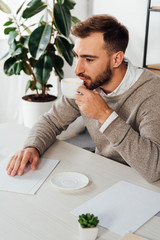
(69, 180)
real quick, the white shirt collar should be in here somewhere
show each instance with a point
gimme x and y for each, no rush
(131, 76)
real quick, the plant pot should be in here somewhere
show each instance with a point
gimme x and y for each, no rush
(32, 111)
(88, 233)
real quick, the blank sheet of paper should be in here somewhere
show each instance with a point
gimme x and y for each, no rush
(122, 208)
(30, 181)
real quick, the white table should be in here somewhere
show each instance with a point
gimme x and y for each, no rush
(46, 215)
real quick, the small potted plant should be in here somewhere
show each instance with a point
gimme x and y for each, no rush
(88, 226)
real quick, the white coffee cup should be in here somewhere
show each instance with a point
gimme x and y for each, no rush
(69, 86)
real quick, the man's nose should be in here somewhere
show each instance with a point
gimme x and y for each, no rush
(79, 67)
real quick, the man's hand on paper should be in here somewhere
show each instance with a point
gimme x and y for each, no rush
(20, 159)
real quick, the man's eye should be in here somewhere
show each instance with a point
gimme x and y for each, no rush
(89, 59)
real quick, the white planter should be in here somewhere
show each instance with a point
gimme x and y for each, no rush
(33, 110)
(88, 233)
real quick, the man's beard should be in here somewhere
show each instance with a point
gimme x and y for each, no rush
(99, 81)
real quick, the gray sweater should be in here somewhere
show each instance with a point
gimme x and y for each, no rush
(133, 138)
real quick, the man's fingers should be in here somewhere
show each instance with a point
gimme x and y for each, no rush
(16, 166)
(25, 159)
(34, 163)
(10, 165)
(82, 89)
(19, 161)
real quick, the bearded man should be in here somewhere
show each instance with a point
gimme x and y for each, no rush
(119, 103)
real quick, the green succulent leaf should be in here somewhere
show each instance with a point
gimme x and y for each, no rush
(69, 4)
(43, 69)
(65, 49)
(88, 220)
(39, 40)
(62, 19)
(34, 8)
(4, 7)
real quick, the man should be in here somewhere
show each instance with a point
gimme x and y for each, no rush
(119, 103)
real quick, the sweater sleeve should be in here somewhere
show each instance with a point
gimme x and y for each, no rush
(139, 148)
(43, 133)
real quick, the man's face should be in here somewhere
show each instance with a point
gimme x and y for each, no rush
(92, 61)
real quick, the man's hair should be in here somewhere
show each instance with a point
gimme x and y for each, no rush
(115, 34)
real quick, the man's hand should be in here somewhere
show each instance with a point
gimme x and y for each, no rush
(20, 159)
(92, 104)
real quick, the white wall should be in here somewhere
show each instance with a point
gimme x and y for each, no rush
(132, 13)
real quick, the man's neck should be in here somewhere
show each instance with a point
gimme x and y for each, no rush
(117, 77)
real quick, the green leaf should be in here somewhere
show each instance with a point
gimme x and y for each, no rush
(43, 69)
(69, 4)
(4, 56)
(8, 23)
(18, 67)
(8, 30)
(26, 68)
(12, 36)
(11, 66)
(62, 19)
(38, 86)
(12, 47)
(4, 7)
(34, 9)
(24, 41)
(65, 48)
(28, 85)
(31, 3)
(57, 61)
(33, 62)
(19, 9)
(39, 40)
(17, 52)
(26, 29)
(59, 72)
(74, 20)
(60, 1)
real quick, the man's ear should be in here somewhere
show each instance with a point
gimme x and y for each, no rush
(117, 59)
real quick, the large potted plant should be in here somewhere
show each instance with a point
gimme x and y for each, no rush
(38, 48)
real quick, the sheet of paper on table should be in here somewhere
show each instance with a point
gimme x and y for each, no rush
(122, 208)
(30, 181)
